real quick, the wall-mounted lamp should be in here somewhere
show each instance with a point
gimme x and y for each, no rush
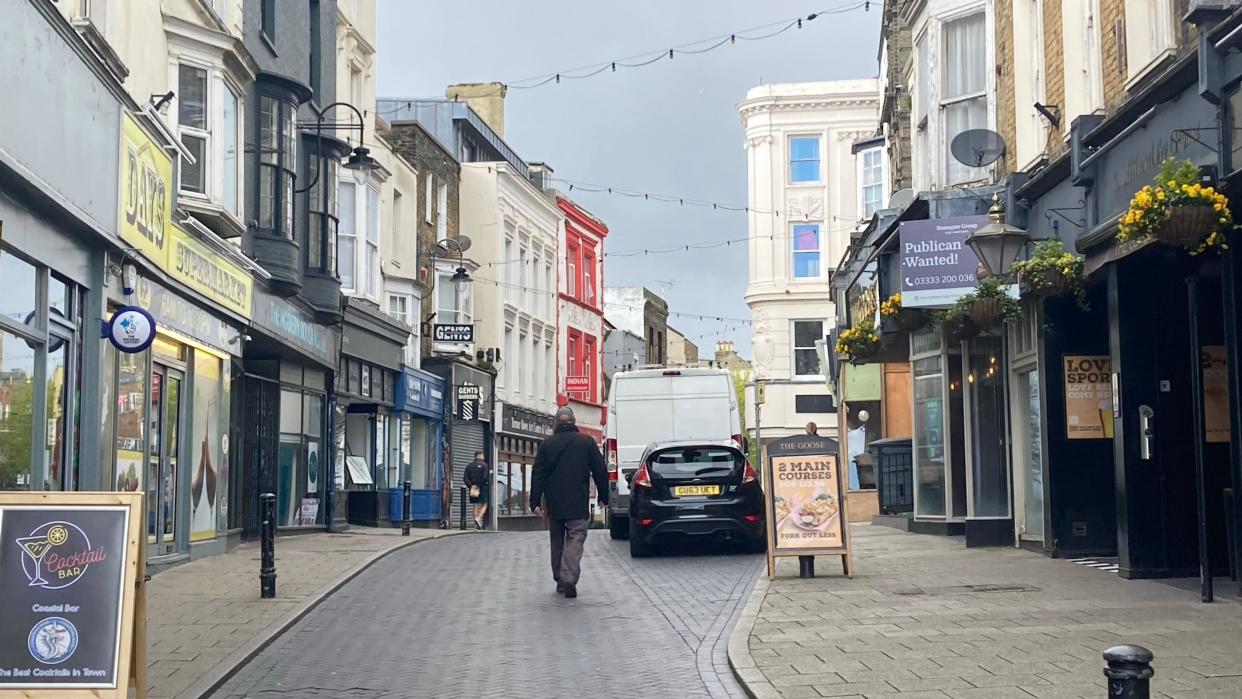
(158, 102)
(998, 244)
(129, 278)
(1051, 112)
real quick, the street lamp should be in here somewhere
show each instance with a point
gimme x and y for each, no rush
(359, 159)
(998, 244)
(461, 280)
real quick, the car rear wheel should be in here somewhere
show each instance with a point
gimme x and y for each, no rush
(638, 547)
(618, 529)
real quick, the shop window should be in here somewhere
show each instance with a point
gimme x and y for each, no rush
(989, 465)
(963, 99)
(277, 158)
(805, 356)
(17, 401)
(209, 420)
(806, 251)
(300, 458)
(929, 437)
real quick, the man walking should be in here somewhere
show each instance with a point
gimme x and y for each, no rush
(478, 481)
(564, 466)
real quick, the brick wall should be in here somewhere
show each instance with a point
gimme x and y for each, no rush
(1054, 72)
(1006, 115)
(409, 140)
(896, 109)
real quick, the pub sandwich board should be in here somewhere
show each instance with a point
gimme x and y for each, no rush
(71, 599)
(805, 501)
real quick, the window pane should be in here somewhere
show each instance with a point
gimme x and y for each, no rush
(18, 277)
(806, 148)
(16, 412)
(269, 130)
(312, 422)
(965, 66)
(192, 97)
(290, 119)
(290, 412)
(804, 159)
(804, 171)
(193, 176)
(806, 362)
(806, 332)
(267, 195)
(922, 96)
(345, 260)
(929, 457)
(959, 117)
(314, 240)
(806, 264)
(806, 237)
(446, 301)
(229, 143)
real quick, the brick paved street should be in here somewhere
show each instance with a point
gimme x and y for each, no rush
(478, 616)
(926, 617)
(204, 615)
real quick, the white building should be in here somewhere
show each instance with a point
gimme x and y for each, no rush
(808, 188)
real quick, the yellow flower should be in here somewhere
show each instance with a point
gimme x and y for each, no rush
(1218, 206)
(1172, 184)
(1160, 194)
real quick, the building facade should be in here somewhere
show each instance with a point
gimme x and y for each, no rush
(641, 313)
(580, 314)
(805, 196)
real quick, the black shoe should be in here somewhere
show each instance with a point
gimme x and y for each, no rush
(560, 588)
(571, 591)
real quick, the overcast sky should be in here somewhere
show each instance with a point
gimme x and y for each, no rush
(670, 128)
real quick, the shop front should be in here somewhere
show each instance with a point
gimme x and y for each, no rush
(367, 428)
(517, 442)
(471, 391)
(285, 402)
(420, 438)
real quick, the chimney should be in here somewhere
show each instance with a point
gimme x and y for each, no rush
(486, 99)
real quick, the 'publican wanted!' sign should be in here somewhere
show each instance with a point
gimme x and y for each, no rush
(67, 592)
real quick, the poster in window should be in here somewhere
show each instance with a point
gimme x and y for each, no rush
(312, 467)
(1215, 394)
(1088, 396)
(207, 459)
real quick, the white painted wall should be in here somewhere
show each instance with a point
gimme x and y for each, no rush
(838, 113)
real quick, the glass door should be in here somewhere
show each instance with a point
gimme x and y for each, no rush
(162, 474)
(1029, 434)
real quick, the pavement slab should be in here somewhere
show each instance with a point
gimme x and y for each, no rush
(924, 616)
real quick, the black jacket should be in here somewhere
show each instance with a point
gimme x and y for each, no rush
(476, 474)
(564, 466)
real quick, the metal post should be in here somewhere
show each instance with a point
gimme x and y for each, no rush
(267, 542)
(806, 566)
(1129, 672)
(464, 503)
(1197, 435)
(405, 509)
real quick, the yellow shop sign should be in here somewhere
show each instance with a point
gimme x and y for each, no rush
(146, 192)
(193, 264)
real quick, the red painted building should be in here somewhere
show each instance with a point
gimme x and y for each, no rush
(580, 319)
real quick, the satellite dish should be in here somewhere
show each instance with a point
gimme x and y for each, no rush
(454, 246)
(977, 147)
(901, 199)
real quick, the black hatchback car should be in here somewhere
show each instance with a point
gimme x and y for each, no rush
(692, 490)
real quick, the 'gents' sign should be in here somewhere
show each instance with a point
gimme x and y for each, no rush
(453, 332)
(68, 571)
(937, 267)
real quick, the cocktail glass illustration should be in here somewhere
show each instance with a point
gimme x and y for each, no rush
(36, 547)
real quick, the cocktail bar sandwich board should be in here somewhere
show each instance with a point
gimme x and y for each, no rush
(805, 500)
(70, 571)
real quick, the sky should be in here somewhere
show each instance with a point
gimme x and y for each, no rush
(668, 128)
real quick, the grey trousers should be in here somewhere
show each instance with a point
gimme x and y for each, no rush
(568, 538)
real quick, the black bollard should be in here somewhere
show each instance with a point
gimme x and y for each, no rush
(267, 541)
(405, 509)
(464, 503)
(806, 566)
(1129, 672)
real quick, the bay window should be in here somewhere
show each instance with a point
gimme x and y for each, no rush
(231, 162)
(371, 263)
(346, 237)
(871, 181)
(277, 158)
(192, 119)
(963, 101)
(358, 238)
(323, 224)
(453, 305)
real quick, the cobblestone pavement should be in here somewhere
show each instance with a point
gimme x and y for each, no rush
(203, 616)
(926, 617)
(478, 616)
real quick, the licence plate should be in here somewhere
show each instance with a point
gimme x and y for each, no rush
(696, 490)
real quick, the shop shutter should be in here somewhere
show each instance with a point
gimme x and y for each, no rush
(467, 438)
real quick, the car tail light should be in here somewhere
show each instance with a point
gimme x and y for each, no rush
(612, 474)
(749, 475)
(737, 439)
(610, 454)
(752, 518)
(642, 479)
(645, 522)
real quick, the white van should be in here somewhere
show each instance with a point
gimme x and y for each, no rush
(660, 405)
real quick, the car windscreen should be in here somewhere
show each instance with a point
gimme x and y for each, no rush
(681, 462)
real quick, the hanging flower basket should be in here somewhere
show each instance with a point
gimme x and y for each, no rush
(962, 329)
(1187, 225)
(910, 319)
(1046, 282)
(986, 312)
(858, 342)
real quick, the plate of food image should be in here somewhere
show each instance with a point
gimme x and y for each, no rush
(783, 507)
(816, 514)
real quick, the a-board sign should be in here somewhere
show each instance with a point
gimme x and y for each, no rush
(805, 499)
(69, 577)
